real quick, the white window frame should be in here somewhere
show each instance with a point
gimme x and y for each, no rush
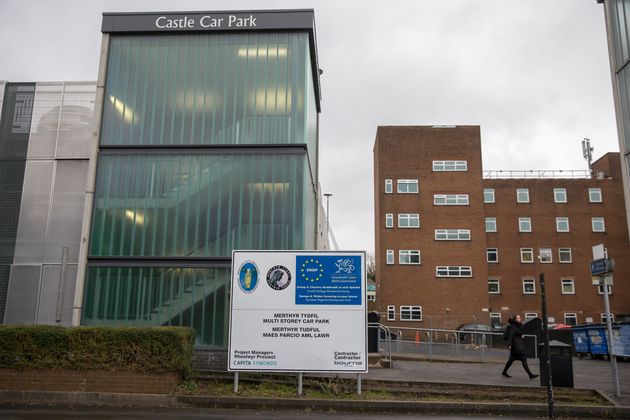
(521, 227)
(527, 251)
(570, 283)
(391, 312)
(494, 251)
(565, 251)
(407, 313)
(389, 259)
(496, 316)
(407, 183)
(525, 199)
(371, 298)
(530, 315)
(491, 220)
(389, 186)
(498, 284)
(529, 281)
(595, 195)
(450, 200)
(560, 195)
(410, 217)
(559, 222)
(547, 251)
(452, 234)
(450, 166)
(568, 315)
(408, 255)
(603, 317)
(389, 220)
(490, 192)
(597, 220)
(453, 271)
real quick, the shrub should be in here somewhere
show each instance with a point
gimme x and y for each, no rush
(148, 350)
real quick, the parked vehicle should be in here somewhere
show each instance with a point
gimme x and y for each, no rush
(475, 328)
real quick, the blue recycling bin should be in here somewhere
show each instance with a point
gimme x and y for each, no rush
(581, 344)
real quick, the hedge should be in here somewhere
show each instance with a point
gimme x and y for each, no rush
(148, 350)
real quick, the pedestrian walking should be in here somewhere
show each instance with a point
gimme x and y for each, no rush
(514, 334)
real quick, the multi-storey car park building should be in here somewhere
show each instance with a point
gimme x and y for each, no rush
(455, 244)
(205, 140)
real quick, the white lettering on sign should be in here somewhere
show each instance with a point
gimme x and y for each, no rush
(164, 22)
(182, 23)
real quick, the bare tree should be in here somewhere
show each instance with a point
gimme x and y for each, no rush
(371, 267)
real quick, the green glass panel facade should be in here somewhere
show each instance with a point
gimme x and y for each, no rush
(149, 296)
(247, 88)
(224, 134)
(200, 205)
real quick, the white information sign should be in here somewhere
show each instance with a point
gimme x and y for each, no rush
(298, 311)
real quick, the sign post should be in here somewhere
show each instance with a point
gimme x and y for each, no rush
(298, 311)
(600, 266)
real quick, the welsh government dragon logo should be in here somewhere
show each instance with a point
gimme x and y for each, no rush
(344, 266)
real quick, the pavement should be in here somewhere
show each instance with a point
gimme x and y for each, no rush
(588, 374)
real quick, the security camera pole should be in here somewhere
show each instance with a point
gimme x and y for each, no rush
(600, 266)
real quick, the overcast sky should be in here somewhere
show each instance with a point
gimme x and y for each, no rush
(534, 74)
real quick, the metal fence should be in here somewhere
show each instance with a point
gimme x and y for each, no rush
(434, 343)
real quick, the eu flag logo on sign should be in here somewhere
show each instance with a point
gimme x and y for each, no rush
(311, 270)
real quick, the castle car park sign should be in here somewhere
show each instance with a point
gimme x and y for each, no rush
(298, 311)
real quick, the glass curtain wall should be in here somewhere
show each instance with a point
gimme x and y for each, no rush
(189, 191)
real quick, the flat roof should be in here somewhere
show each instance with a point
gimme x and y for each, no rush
(220, 21)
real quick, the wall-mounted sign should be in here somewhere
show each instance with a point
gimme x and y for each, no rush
(298, 311)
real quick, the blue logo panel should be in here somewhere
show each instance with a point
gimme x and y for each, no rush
(328, 280)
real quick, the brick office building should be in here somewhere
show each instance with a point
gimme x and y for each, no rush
(457, 245)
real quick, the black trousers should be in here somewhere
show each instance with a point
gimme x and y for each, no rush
(523, 360)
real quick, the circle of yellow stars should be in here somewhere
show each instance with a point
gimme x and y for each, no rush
(315, 277)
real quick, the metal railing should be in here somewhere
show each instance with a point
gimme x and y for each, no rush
(454, 344)
(537, 174)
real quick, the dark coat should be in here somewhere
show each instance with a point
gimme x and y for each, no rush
(515, 339)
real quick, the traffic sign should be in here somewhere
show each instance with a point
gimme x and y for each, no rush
(602, 266)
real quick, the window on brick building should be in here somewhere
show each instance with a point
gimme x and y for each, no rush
(522, 195)
(450, 165)
(603, 317)
(409, 256)
(524, 224)
(560, 195)
(488, 195)
(545, 255)
(491, 224)
(597, 224)
(562, 224)
(529, 286)
(595, 195)
(391, 313)
(527, 255)
(492, 255)
(494, 286)
(452, 234)
(389, 220)
(411, 313)
(564, 255)
(568, 286)
(450, 199)
(408, 220)
(407, 186)
(453, 271)
(390, 256)
(495, 319)
(570, 318)
(389, 186)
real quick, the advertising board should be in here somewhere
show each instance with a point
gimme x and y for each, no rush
(298, 311)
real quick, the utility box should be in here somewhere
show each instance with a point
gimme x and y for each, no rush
(561, 364)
